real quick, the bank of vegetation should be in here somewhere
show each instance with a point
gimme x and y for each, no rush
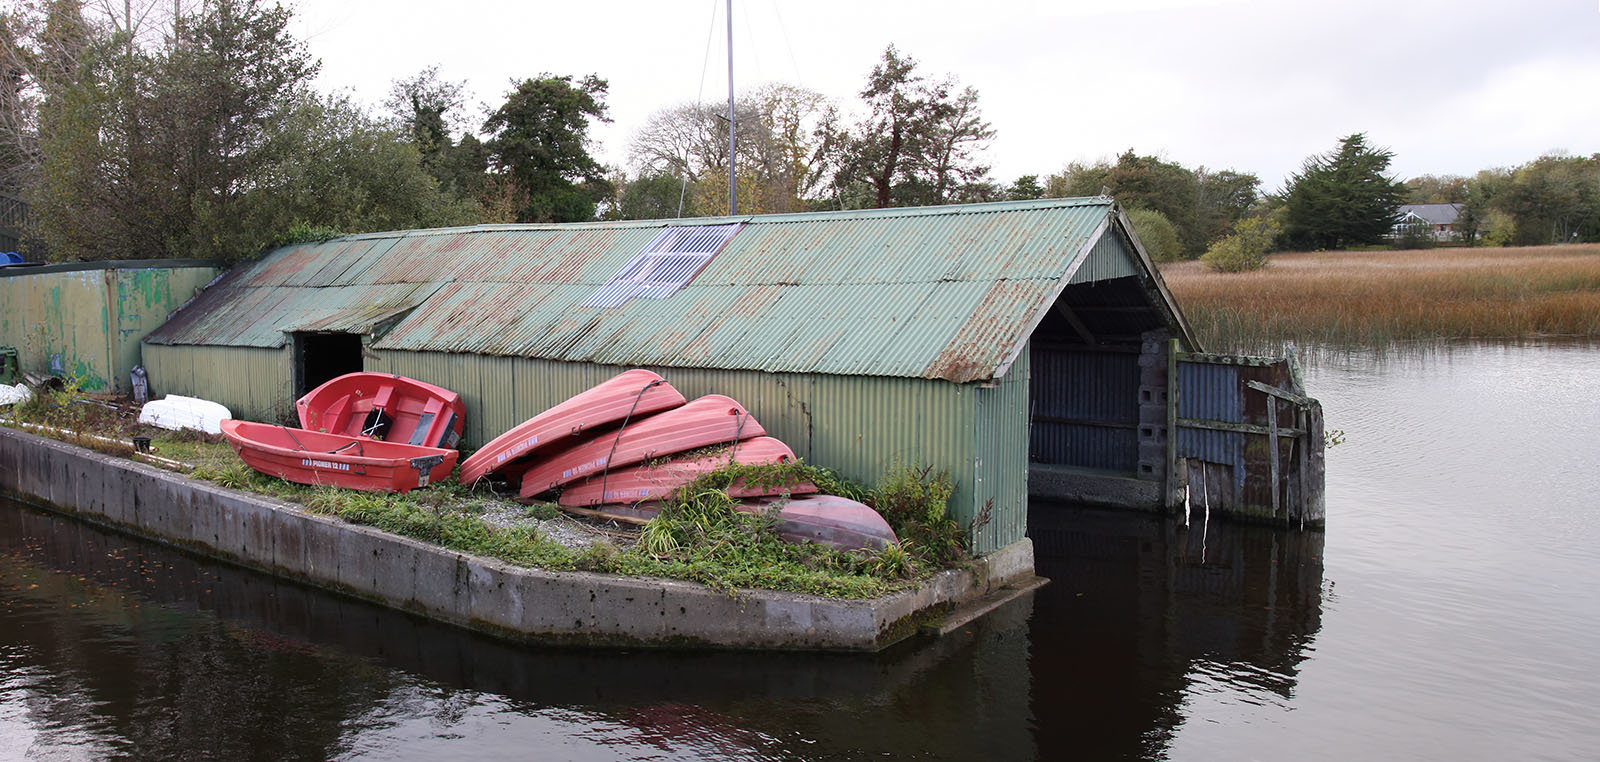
(698, 536)
(1380, 298)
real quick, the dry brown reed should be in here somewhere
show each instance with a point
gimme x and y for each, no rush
(1379, 298)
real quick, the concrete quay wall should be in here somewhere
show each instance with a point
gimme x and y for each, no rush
(479, 593)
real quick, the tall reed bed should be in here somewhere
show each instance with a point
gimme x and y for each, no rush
(1379, 298)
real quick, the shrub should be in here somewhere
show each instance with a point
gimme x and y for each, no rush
(1156, 232)
(1245, 249)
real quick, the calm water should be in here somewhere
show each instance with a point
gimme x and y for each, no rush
(1450, 612)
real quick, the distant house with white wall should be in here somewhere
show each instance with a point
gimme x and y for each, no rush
(1438, 219)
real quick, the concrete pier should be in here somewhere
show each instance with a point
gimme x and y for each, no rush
(470, 591)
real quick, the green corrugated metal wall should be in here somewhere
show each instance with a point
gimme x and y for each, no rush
(857, 425)
(1000, 458)
(87, 320)
(252, 383)
(1108, 259)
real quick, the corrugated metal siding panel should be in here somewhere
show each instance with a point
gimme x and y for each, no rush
(858, 426)
(254, 384)
(1000, 457)
(944, 292)
(1109, 259)
(1211, 392)
(1089, 387)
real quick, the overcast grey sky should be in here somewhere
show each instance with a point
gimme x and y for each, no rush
(1450, 87)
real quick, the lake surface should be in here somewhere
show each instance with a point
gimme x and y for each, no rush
(1449, 612)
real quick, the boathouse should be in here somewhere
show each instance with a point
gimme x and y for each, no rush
(972, 338)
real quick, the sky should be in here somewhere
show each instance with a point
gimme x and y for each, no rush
(1255, 86)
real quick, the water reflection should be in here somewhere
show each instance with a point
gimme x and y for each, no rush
(1144, 612)
(112, 646)
(116, 645)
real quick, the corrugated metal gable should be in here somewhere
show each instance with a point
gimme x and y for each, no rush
(941, 292)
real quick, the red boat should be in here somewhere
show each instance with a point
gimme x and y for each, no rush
(312, 457)
(712, 419)
(827, 520)
(652, 482)
(384, 406)
(631, 395)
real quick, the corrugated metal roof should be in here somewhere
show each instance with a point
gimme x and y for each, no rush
(938, 292)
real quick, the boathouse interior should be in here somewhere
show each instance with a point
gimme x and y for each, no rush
(1097, 380)
(323, 356)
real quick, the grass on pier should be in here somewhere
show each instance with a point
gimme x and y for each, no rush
(1379, 298)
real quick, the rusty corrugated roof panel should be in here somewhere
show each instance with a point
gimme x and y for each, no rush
(939, 292)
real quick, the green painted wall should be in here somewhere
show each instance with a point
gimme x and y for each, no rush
(87, 321)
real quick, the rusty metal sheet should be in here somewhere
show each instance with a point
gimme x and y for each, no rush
(942, 292)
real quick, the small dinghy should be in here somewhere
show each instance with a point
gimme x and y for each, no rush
(384, 406)
(827, 520)
(712, 419)
(313, 457)
(658, 481)
(631, 395)
(823, 519)
(178, 412)
(12, 395)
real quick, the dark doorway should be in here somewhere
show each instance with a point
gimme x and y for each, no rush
(320, 357)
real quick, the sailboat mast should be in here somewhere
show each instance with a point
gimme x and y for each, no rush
(733, 181)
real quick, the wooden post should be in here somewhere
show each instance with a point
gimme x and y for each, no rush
(1272, 448)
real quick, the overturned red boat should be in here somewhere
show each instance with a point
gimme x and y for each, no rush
(630, 395)
(313, 457)
(384, 406)
(658, 481)
(712, 419)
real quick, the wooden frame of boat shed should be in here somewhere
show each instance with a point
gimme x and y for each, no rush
(972, 338)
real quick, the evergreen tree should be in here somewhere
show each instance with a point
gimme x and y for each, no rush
(1343, 198)
(540, 138)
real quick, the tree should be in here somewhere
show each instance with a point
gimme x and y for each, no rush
(1024, 188)
(1437, 189)
(776, 128)
(428, 110)
(917, 145)
(1553, 199)
(1141, 181)
(211, 145)
(540, 139)
(1343, 198)
(653, 196)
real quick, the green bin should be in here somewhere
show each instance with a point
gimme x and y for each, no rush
(10, 370)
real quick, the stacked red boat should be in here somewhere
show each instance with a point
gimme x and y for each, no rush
(367, 431)
(629, 443)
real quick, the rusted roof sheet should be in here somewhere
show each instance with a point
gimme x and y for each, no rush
(938, 292)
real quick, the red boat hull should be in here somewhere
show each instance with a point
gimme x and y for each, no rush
(632, 394)
(312, 457)
(712, 419)
(645, 483)
(394, 408)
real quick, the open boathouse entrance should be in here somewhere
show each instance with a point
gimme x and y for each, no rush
(323, 356)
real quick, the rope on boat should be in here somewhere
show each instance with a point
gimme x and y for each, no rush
(605, 471)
